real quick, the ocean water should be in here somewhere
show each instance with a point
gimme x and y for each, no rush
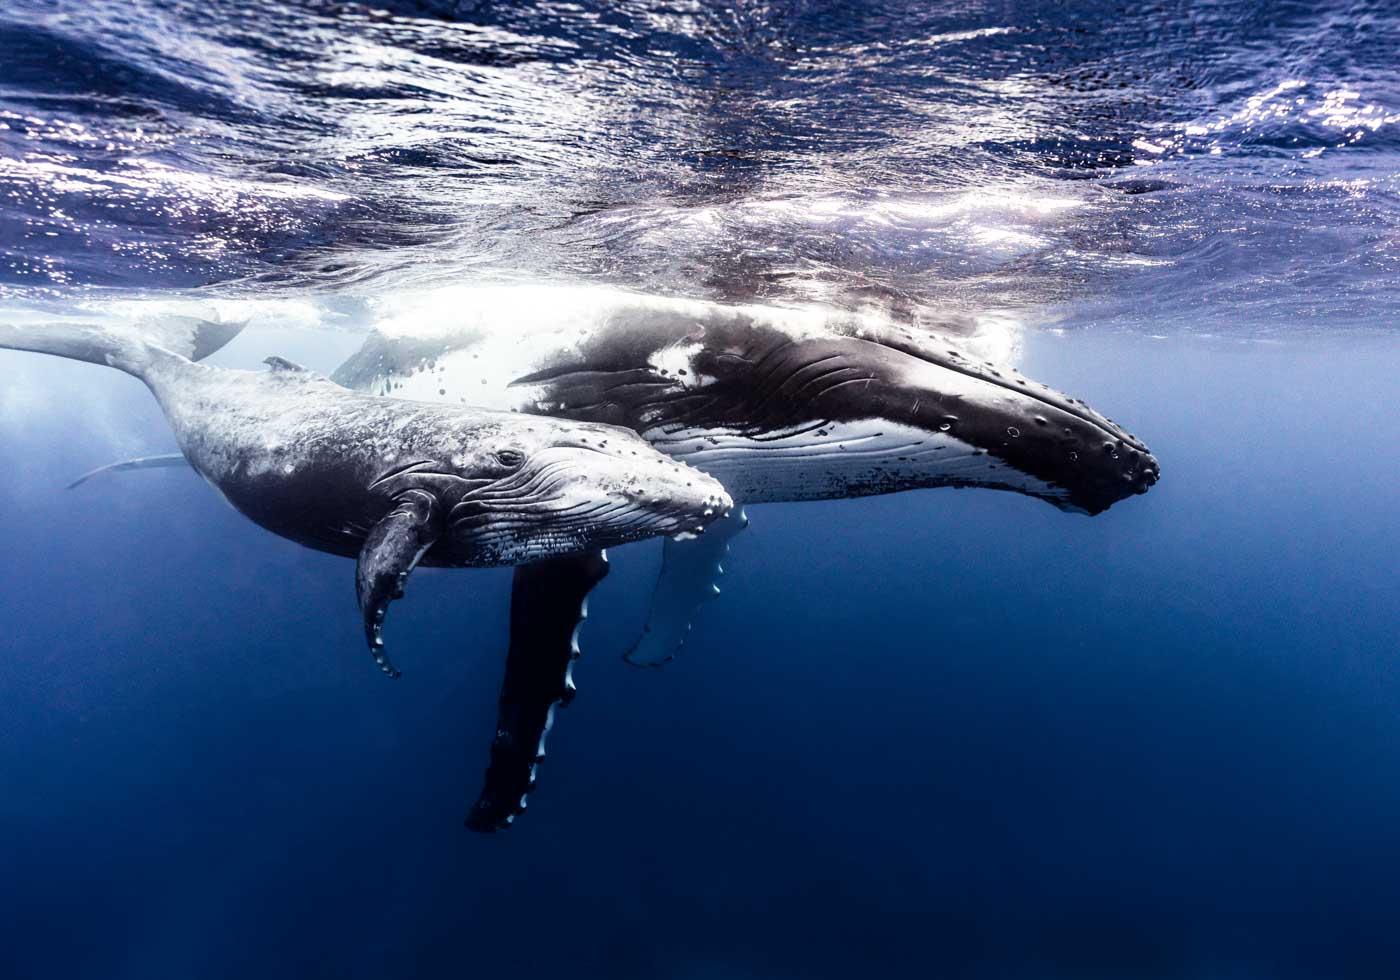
(937, 734)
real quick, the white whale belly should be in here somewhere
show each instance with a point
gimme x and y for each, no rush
(838, 459)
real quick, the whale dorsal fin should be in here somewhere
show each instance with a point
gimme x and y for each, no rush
(549, 599)
(278, 364)
(690, 572)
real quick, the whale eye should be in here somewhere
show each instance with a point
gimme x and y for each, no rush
(510, 458)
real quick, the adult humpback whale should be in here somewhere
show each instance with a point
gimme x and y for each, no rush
(779, 405)
(399, 484)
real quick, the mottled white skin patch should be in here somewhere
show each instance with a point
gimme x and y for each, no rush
(839, 459)
(677, 361)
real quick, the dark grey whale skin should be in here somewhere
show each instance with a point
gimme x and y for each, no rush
(323, 466)
(548, 602)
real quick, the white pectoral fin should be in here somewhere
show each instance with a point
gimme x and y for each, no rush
(690, 572)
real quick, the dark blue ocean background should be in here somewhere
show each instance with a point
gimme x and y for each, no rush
(941, 734)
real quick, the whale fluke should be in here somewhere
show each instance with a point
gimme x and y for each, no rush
(391, 551)
(128, 348)
(203, 337)
(549, 600)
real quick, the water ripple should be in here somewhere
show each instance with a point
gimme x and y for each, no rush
(1177, 161)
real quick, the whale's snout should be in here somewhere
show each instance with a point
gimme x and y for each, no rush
(1114, 471)
(1069, 455)
(1032, 438)
(657, 495)
(575, 487)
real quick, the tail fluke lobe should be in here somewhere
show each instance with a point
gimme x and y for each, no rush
(126, 347)
(197, 339)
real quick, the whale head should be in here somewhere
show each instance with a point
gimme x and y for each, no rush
(1018, 434)
(783, 418)
(890, 419)
(542, 487)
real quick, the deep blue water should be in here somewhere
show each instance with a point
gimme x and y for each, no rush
(964, 735)
(945, 733)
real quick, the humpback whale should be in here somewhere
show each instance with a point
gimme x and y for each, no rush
(778, 405)
(397, 484)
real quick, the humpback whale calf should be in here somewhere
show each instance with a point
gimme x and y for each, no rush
(396, 484)
(778, 405)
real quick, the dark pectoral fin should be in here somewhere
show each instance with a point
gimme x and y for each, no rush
(390, 552)
(547, 604)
